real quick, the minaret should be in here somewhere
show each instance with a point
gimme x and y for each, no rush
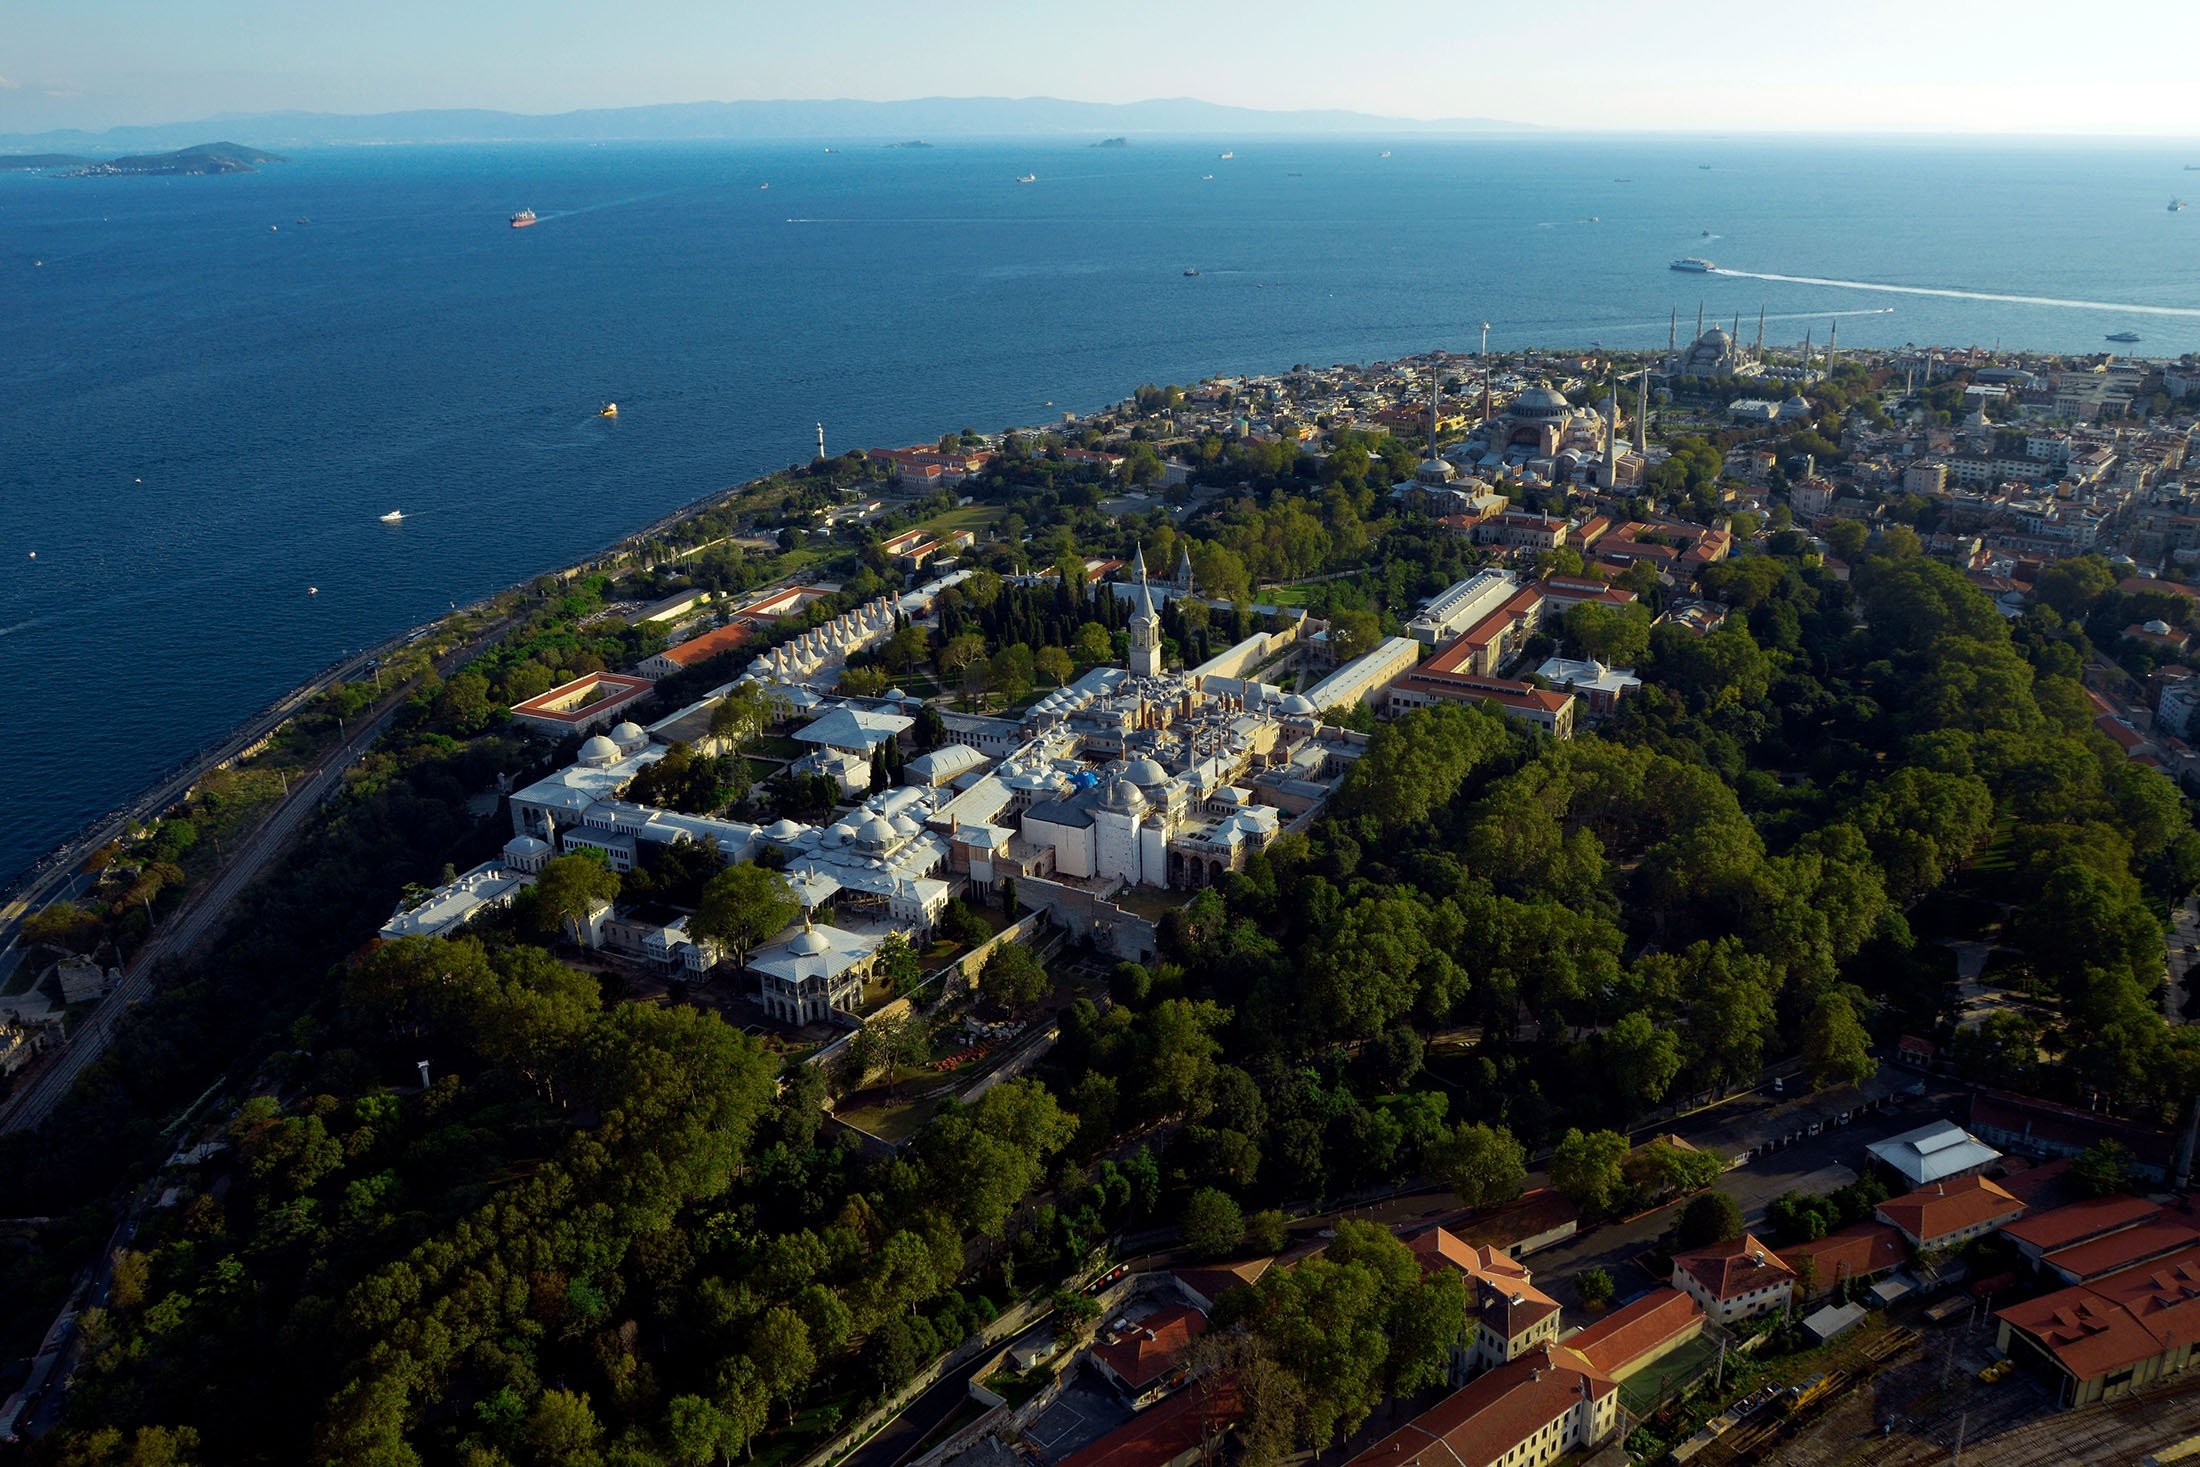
(1145, 658)
(1699, 320)
(1760, 330)
(1642, 413)
(1673, 331)
(1806, 356)
(1184, 569)
(1435, 391)
(820, 440)
(1610, 476)
(1833, 344)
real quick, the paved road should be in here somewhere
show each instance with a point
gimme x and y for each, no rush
(183, 931)
(55, 876)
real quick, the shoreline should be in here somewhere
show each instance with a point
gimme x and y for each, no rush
(46, 878)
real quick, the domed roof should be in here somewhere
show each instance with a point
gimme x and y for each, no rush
(782, 829)
(1122, 796)
(2159, 628)
(840, 833)
(1300, 704)
(1145, 773)
(873, 830)
(630, 732)
(525, 845)
(809, 942)
(1540, 402)
(599, 750)
(1716, 338)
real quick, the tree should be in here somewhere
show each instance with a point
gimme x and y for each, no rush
(1595, 1287)
(1644, 1058)
(746, 710)
(570, 888)
(1483, 1164)
(1013, 977)
(1093, 645)
(1013, 670)
(1835, 1046)
(742, 907)
(2102, 1168)
(562, 1431)
(1709, 1217)
(1585, 1167)
(1053, 664)
(1617, 636)
(1213, 1225)
(1264, 1232)
(1846, 539)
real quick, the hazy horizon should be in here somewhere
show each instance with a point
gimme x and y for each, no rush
(1600, 66)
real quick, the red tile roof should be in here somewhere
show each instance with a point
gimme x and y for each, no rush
(2092, 1329)
(1530, 1215)
(1153, 1346)
(1159, 1436)
(698, 650)
(1855, 1252)
(1619, 1339)
(1949, 1207)
(617, 689)
(1213, 1282)
(1735, 1267)
(1501, 1409)
(2087, 1262)
(2095, 1217)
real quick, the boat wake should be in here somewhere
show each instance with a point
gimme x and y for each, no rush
(2059, 302)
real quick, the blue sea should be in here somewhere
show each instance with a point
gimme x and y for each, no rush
(211, 387)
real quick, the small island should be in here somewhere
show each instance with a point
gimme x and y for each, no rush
(204, 159)
(912, 143)
(1113, 143)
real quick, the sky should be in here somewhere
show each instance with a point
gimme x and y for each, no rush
(1911, 66)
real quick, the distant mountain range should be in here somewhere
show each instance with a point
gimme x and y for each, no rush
(925, 117)
(200, 158)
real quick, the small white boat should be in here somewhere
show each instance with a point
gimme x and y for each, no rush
(313, 590)
(394, 517)
(1027, 178)
(608, 410)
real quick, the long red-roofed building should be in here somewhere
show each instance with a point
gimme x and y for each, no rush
(2106, 1338)
(1535, 1410)
(1630, 1338)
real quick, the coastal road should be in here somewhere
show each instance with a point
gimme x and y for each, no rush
(57, 875)
(183, 931)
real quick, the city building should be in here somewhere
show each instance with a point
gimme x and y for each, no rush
(695, 651)
(1535, 1410)
(805, 978)
(1510, 1315)
(2102, 1340)
(1943, 1215)
(443, 911)
(1734, 1280)
(1633, 1338)
(592, 700)
(1850, 1256)
(1939, 1152)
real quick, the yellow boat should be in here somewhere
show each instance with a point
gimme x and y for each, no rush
(610, 410)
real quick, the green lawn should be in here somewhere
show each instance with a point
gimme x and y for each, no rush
(971, 517)
(1668, 1375)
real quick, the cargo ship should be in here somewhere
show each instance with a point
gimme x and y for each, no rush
(523, 218)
